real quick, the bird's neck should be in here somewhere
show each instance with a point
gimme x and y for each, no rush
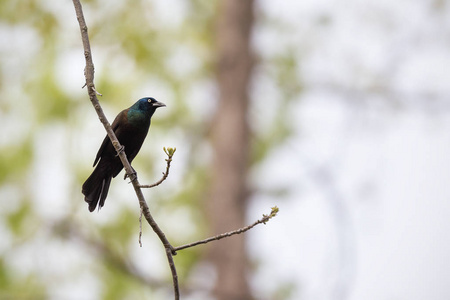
(139, 117)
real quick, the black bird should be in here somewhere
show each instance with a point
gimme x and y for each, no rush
(130, 126)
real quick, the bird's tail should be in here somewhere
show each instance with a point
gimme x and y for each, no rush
(95, 188)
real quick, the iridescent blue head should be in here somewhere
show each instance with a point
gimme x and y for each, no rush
(143, 110)
(147, 104)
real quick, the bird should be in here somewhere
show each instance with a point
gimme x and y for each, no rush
(130, 127)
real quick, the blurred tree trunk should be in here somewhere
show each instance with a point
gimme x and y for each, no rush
(230, 141)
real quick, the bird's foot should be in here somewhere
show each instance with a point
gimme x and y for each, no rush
(121, 149)
(132, 176)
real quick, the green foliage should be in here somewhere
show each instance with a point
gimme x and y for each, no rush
(170, 151)
(27, 12)
(185, 262)
(122, 231)
(18, 219)
(15, 160)
(131, 49)
(283, 68)
(15, 287)
(118, 285)
(275, 210)
(51, 102)
(285, 72)
(265, 142)
(285, 291)
(4, 276)
(193, 192)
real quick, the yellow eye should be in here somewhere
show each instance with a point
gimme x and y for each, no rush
(149, 100)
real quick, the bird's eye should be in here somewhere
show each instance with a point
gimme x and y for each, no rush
(149, 100)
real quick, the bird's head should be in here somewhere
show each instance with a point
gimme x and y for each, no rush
(148, 104)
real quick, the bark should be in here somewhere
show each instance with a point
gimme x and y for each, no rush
(230, 142)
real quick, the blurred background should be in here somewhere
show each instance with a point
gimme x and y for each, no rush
(337, 112)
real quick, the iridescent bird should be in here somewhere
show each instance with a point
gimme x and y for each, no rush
(130, 126)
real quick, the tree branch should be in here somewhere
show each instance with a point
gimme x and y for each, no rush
(170, 250)
(170, 152)
(89, 74)
(263, 220)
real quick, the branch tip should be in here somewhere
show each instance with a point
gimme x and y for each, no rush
(169, 151)
(272, 214)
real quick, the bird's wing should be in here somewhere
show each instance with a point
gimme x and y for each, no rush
(115, 125)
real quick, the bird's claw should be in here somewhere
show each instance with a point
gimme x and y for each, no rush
(121, 149)
(133, 175)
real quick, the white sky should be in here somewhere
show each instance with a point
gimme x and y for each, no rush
(368, 216)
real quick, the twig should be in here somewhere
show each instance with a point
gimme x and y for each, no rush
(89, 74)
(170, 152)
(140, 228)
(263, 220)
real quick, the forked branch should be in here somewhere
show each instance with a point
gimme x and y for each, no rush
(170, 152)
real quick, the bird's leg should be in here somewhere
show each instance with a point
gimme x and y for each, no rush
(133, 175)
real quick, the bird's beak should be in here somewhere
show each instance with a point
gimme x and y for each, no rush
(158, 104)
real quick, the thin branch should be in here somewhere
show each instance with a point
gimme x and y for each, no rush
(140, 229)
(89, 74)
(169, 152)
(263, 220)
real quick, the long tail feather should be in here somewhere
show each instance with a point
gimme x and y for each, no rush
(95, 188)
